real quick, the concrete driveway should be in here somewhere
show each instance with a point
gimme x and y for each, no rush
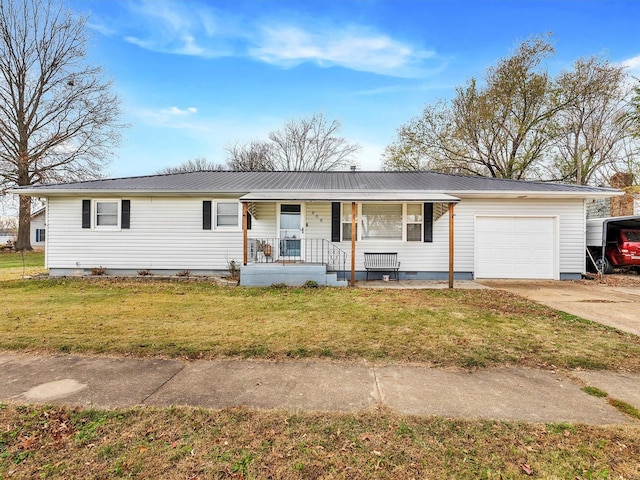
(617, 307)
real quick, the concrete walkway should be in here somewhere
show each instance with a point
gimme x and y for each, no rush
(501, 394)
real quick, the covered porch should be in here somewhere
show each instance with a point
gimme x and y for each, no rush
(337, 245)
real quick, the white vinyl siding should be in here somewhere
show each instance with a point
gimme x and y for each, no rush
(166, 233)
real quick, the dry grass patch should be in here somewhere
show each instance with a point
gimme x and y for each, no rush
(178, 443)
(463, 328)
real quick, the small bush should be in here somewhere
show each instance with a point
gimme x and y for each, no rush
(183, 273)
(98, 271)
(144, 273)
(279, 286)
(234, 269)
(310, 284)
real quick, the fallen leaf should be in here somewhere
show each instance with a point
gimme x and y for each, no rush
(526, 469)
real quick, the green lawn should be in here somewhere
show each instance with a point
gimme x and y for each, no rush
(13, 264)
(460, 328)
(449, 328)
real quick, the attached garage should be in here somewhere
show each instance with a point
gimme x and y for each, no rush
(516, 247)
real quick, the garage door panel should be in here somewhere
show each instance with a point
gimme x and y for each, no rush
(515, 247)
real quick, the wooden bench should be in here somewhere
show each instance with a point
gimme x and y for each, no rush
(382, 262)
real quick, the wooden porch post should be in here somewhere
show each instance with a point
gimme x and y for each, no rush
(451, 205)
(245, 209)
(352, 282)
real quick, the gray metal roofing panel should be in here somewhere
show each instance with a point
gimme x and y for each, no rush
(244, 182)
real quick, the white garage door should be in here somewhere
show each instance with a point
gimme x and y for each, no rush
(515, 247)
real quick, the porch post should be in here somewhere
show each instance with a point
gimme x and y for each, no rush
(245, 209)
(352, 282)
(451, 205)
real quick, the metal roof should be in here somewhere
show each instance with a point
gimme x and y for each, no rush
(232, 182)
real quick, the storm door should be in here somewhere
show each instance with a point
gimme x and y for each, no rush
(291, 231)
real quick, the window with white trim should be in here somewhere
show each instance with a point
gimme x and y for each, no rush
(414, 222)
(384, 221)
(345, 219)
(227, 215)
(107, 213)
(381, 221)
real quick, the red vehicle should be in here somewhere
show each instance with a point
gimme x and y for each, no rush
(625, 252)
(613, 242)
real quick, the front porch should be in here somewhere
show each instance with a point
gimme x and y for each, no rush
(386, 222)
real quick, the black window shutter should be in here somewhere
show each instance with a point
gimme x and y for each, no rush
(248, 221)
(428, 222)
(206, 215)
(335, 221)
(86, 213)
(125, 218)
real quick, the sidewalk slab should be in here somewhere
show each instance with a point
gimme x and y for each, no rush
(621, 386)
(498, 394)
(306, 385)
(101, 382)
(519, 394)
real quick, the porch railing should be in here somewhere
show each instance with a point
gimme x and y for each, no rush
(297, 250)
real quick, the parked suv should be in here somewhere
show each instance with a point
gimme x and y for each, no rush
(622, 250)
(625, 250)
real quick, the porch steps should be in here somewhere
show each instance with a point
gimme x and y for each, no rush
(291, 274)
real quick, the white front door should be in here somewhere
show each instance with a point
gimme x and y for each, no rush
(291, 231)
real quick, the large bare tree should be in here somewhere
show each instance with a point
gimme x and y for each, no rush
(592, 141)
(521, 123)
(254, 156)
(306, 144)
(57, 114)
(499, 129)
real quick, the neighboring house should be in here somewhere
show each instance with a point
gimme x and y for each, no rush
(275, 224)
(38, 228)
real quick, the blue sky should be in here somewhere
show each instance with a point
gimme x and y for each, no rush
(197, 75)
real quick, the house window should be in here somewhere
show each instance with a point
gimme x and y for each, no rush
(414, 222)
(40, 234)
(346, 223)
(381, 221)
(227, 214)
(107, 213)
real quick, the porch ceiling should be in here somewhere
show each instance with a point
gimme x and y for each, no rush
(348, 196)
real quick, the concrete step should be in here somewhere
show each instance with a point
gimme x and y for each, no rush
(291, 274)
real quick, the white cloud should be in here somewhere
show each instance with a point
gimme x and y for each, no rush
(179, 111)
(633, 65)
(352, 48)
(181, 28)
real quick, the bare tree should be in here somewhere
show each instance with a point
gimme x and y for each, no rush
(57, 116)
(592, 140)
(198, 164)
(311, 144)
(254, 156)
(499, 130)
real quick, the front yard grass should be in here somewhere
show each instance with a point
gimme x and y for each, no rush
(14, 265)
(179, 443)
(449, 328)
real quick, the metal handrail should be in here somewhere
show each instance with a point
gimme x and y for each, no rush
(292, 250)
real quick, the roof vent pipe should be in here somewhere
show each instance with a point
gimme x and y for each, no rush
(353, 168)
